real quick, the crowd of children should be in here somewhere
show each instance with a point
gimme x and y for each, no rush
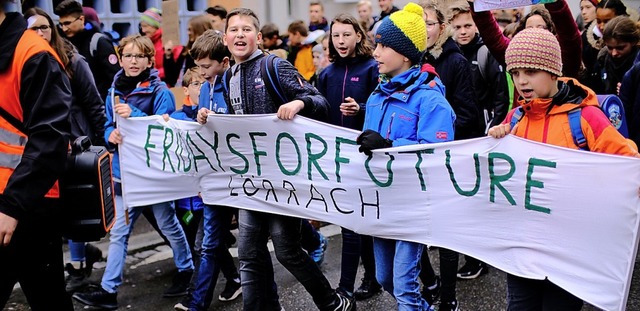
(461, 74)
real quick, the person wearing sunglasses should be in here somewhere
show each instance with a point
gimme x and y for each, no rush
(101, 57)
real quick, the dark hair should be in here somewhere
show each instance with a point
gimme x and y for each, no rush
(61, 46)
(540, 11)
(270, 30)
(362, 47)
(299, 27)
(615, 5)
(243, 12)
(199, 25)
(316, 2)
(209, 45)
(217, 10)
(189, 75)
(621, 28)
(69, 7)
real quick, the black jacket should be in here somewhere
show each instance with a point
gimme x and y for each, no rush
(87, 116)
(45, 96)
(453, 69)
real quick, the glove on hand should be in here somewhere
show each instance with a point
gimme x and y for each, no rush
(371, 140)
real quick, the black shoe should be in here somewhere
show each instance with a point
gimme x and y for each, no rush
(76, 279)
(472, 271)
(179, 285)
(99, 298)
(449, 306)
(231, 291)
(367, 289)
(344, 302)
(432, 293)
(92, 255)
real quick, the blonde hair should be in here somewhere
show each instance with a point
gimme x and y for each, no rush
(143, 43)
(188, 77)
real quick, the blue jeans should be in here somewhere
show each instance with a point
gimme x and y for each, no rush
(256, 269)
(217, 220)
(538, 295)
(77, 250)
(119, 240)
(397, 270)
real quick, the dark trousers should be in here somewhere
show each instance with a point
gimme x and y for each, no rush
(448, 272)
(34, 259)
(256, 269)
(355, 246)
(538, 295)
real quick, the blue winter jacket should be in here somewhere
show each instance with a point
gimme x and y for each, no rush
(355, 77)
(410, 108)
(213, 101)
(150, 97)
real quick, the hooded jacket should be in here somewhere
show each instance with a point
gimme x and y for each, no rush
(150, 97)
(546, 120)
(355, 77)
(410, 108)
(630, 97)
(87, 107)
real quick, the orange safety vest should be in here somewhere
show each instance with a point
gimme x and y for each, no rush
(12, 140)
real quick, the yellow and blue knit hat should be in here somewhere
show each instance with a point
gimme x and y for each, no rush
(405, 32)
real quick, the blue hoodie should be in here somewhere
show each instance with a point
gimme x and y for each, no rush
(410, 108)
(213, 99)
(150, 97)
(355, 77)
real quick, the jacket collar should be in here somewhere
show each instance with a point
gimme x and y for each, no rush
(11, 31)
(571, 95)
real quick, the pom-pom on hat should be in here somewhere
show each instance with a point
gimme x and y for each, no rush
(534, 48)
(405, 32)
(153, 17)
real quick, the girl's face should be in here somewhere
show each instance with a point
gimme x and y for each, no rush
(390, 62)
(133, 60)
(434, 28)
(603, 16)
(533, 83)
(344, 39)
(535, 21)
(619, 49)
(588, 11)
(41, 26)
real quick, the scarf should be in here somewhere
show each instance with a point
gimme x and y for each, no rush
(127, 84)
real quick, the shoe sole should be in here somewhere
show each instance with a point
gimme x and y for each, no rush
(180, 307)
(233, 297)
(473, 276)
(89, 303)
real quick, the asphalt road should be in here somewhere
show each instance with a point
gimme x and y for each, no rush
(149, 272)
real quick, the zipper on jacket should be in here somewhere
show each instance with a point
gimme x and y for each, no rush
(344, 84)
(393, 115)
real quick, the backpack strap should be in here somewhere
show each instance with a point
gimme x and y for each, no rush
(517, 115)
(93, 44)
(271, 79)
(576, 129)
(226, 79)
(482, 59)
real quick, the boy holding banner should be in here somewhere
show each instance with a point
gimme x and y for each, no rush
(534, 61)
(408, 107)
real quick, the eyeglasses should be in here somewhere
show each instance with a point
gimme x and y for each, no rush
(138, 57)
(196, 84)
(430, 24)
(68, 23)
(42, 28)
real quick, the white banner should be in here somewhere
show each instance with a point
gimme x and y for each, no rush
(530, 209)
(486, 5)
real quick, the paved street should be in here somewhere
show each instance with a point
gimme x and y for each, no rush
(149, 272)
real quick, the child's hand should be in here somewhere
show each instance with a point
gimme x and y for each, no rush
(350, 107)
(203, 113)
(618, 88)
(168, 48)
(165, 117)
(115, 137)
(500, 131)
(290, 109)
(123, 110)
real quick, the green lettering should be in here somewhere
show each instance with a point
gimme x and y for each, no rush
(419, 153)
(476, 187)
(535, 183)
(148, 144)
(165, 152)
(257, 153)
(497, 179)
(199, 157)
(339, 159)
(389, 171)
(234, 151)
(312, 158)
(279, 158)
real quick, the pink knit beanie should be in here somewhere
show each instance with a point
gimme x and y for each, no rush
(534, 48)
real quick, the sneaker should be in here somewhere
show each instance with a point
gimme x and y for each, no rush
(183, 305)
(367, 289)
(449, 306)
(98, 298)
(180, 284)
(92, 255)
(432, 293)
(344, 302)
(318, 254)
(76, 279)
(231, 291)
(472, 271)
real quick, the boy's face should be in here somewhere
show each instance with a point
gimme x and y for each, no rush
(193, 90)
(241, 37)
(210, 68)
(464, 29)
(315, 14)
(133, 61)
(295, 38)
(269, 43)
(389, 61)
(385, 5)
(71, 25)
(533, 83)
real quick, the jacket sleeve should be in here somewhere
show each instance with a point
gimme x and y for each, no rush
(601, 135)
(463, 100)
(104, 55)
(89, 98)
(163, 102)
(109, 124)
(491, 34)
(568, 37)
(500, 91)
(45, 96)
(630, 97)
(296, 87)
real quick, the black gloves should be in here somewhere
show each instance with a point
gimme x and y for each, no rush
(371, 140)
